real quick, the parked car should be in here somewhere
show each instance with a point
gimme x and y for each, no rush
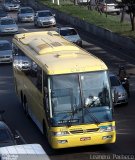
(8, 26)
(5, 51)
(11, 6)
(119, 94)
(25, 14)
(6, 136)
(109, 6)
(3, 14)
(70, 34)
(85, 2)
(44, 18)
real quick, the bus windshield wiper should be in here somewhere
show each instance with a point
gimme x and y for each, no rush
(90, 113)
(90, 103)
(70, 121)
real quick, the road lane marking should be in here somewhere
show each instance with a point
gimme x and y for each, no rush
(25, 29)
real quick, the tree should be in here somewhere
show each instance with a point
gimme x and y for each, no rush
(128, 6)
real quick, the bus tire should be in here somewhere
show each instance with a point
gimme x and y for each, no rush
(25, 106)
(44, 129)
(21, 94)
(27, 109)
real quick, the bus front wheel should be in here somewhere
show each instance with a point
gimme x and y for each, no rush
(25, 107)
(44, 129)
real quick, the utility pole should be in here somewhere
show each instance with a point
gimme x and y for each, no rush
(75, 2)
(58, 2)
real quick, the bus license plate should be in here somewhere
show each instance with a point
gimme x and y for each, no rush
(85, 138)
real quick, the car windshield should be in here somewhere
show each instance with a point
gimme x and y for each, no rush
(5, 46)
(114, 81)
(27, 10)
(77, 97)
(4, 135)
(67, 32)
(7, 22)
(44, 14)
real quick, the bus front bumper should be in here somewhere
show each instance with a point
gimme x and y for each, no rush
(83, 140)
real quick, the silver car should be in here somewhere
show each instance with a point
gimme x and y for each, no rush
(70, 34)
(5, 51)
(11, 6)
(44, 18)
(109, 6)
(119, 94)
(8, 26)
(25, 14)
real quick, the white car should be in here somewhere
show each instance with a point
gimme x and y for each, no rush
(5, 52)
(25, 14)
(70, 34)
(119, 94)
(8, 26)
(44, 18)
(11, 6)
(109, 6)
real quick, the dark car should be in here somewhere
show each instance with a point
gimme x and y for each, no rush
(3, 13)
(6, 136)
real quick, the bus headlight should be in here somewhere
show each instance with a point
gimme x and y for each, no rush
(107, 128)
(62, 133)
(62, 141)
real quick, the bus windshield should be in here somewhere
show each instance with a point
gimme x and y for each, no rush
(80, 98)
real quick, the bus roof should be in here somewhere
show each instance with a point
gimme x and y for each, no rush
(57, 55)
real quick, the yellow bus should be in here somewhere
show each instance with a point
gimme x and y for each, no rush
(64, 89)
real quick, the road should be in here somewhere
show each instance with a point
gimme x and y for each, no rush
(124, 115)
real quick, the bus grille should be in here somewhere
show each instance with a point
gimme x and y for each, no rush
(84, 131)
(92, 130)
(76, 131)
